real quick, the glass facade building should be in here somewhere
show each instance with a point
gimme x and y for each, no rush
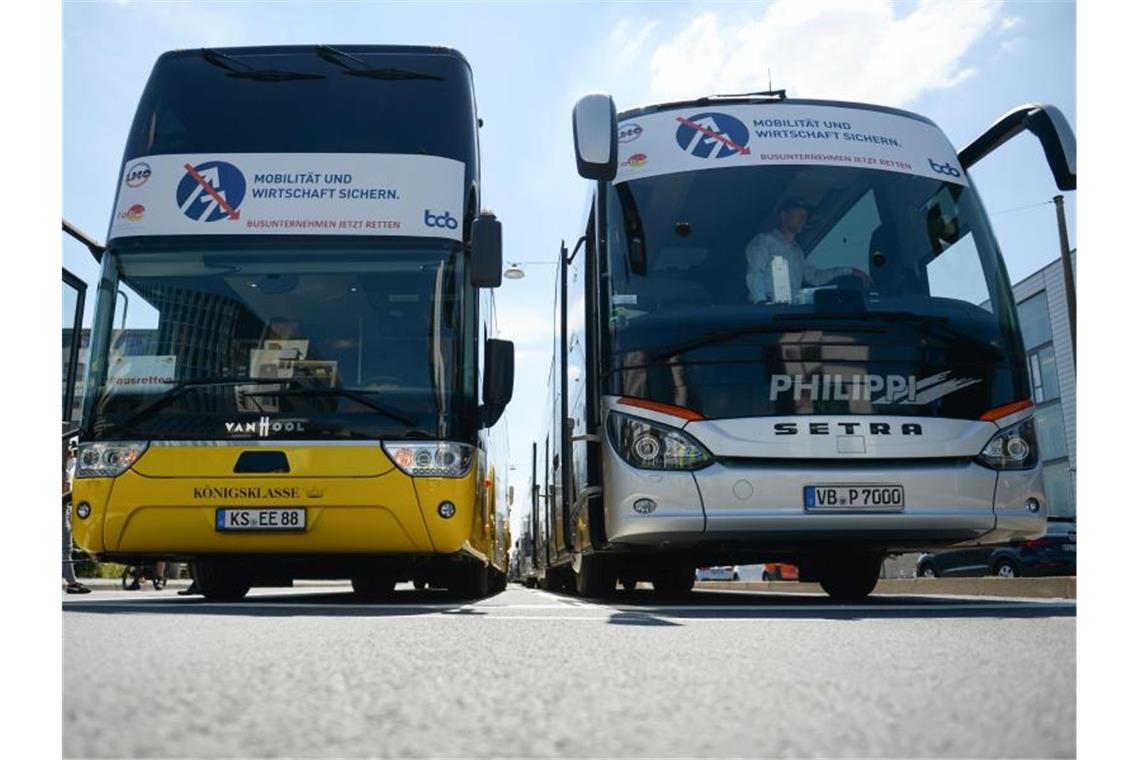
(1044, 316)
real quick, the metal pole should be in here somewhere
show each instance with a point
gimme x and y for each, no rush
(1067, 268)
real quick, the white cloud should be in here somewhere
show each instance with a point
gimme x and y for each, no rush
(846, 50)
(1010, 22)
(1012, 46)
(626, 41)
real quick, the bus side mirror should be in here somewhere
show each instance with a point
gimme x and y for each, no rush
(498, 378)
(486, 251)
(595, 137)
(1051, 128)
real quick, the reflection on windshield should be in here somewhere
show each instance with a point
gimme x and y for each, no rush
(373, 340)
(758, 242)
(754, 291)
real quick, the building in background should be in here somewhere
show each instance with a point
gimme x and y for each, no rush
(1044, 315)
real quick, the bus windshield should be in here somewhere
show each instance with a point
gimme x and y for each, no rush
(280, 342)
(881, 266)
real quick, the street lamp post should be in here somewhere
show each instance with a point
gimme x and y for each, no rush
(1067, 268)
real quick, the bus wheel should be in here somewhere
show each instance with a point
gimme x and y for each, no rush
(374, 587)
(674, 582)
(593, 578)
(851, 578)
(471, 581)
(222, 581)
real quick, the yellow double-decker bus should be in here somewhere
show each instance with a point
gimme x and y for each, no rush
(293, 366)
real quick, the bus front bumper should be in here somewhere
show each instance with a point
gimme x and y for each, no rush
(360, 504)
(762, 505)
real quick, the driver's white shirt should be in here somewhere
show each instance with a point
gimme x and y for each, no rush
(766, 247)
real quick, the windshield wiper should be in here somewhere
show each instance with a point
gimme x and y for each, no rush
(735, 332)
(356, 395)
(242, 70)
(939, 323)
(182, 386)
(392, 74)
(338, 58)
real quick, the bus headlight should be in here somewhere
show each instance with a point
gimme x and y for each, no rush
(434, 459)
(653, 446)
(107, 460)
(1014, 448)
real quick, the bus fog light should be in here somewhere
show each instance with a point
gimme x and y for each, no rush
(1033, 505)
(446, 510)
(644, 506)
(83, 510)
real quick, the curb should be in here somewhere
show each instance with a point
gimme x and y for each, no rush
(1030, 588)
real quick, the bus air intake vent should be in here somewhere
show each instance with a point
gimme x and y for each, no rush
(262, 462)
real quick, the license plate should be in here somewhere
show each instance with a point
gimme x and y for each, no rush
(870, 497)
(1069, 547)
(259, 519)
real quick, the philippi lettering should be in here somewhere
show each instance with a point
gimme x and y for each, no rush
(877, 389)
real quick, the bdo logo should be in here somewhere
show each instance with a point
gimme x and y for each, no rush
(211, 191)
(138, 174)
(445, 220)
(629, 132)
(712, 135)
(946, 168)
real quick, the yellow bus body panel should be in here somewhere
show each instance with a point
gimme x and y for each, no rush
(356, 502)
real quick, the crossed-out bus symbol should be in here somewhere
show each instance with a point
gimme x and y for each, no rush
(211, 191)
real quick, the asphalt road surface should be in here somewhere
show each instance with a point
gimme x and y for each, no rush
(310, 671)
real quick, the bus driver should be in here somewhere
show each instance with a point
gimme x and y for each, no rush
(777, 267)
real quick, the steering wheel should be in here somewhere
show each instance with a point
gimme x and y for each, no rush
(382, 380)
(851, 282)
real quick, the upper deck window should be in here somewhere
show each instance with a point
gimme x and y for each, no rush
(379, 102)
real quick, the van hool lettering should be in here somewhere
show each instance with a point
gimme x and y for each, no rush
(245, 492)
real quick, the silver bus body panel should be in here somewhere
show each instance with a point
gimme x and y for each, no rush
(678, 518)
(1014, 521)
(843, 436)
(751, 498)
(947, 501)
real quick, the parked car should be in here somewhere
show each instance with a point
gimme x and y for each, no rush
(781, 571)
(1055, 553)
(719, 573)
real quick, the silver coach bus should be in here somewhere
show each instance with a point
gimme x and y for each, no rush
(786, 333)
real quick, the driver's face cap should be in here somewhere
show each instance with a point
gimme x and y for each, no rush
(793, 214)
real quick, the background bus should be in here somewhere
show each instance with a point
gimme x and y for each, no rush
(785, 335)
(294, 323)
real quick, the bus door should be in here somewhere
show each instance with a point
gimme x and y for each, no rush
(74, 295)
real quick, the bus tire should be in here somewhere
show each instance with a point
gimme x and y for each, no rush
(374, 587)
(851, 578)
(675, 582)
(222, 581)
(471, 581)
(593, 578)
